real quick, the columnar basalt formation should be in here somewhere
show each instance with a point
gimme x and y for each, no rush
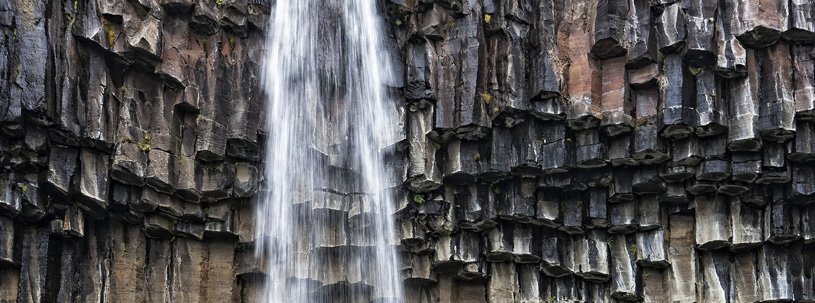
(129, 149)
(550, 150)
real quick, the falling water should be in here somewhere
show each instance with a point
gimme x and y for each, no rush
(324, 225)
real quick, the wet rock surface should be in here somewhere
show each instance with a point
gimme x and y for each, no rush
(550, 151)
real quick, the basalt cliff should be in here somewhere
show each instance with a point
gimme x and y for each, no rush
(549, 150)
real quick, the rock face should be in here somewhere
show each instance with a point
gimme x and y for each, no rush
(551, 151)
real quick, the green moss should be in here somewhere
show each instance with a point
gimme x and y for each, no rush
(111, 38)
(399, 15)
(24, 188)
(244, 294)
(487, 18)
(632, 249)
(641, 121)
(110, 32)
(486, 97)
(551, 298)
(71, 15)
(231, 40)
(71, 21)
(477, 157)
(203, 41)
(219, 2)
(418, 199)
(145, 145)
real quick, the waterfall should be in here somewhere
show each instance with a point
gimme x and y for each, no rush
(325, 228)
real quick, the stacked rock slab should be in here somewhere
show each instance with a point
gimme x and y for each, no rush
(129, 149)
(636, 150)
(552, 150)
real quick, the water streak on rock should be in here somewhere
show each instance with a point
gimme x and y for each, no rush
(324, 223)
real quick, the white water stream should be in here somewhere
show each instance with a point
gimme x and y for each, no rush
(325, 228)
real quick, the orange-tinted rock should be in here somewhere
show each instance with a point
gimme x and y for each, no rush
(614, 105)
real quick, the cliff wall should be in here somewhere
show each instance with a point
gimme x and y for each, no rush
(552, 151)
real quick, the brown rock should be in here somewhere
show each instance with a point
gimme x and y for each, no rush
(615, 106)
